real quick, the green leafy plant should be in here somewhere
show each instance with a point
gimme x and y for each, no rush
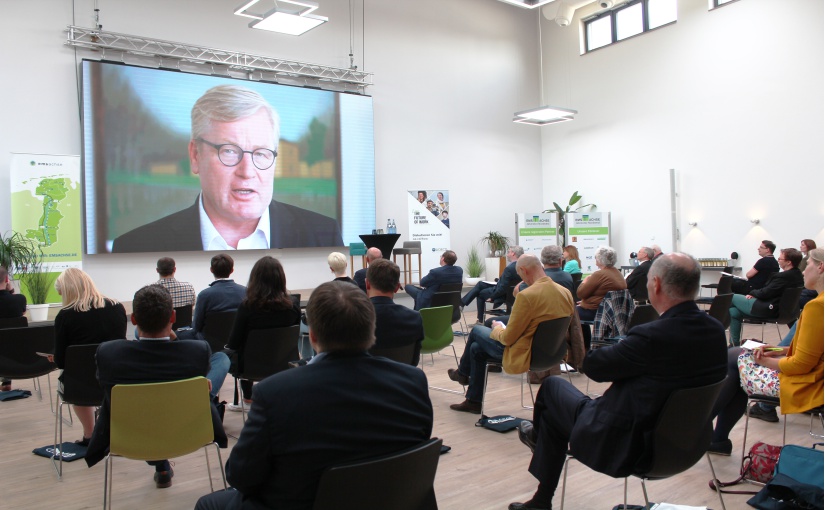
(474, 264)
(574, 199)
(38, 281)
(497, 242)
(18, 253)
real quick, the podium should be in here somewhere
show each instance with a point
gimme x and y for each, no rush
(384, 242)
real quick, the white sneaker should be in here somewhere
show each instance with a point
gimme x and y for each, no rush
(235, 407)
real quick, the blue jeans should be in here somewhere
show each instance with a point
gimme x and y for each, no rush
(479, 350)
(218, 368)
(481, 293)
(739, 307)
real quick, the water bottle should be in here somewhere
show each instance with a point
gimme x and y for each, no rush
(389, 226)
(392, 228)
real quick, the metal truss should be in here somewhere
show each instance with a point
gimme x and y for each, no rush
(215, 61)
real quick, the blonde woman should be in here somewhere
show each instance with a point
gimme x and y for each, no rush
(87, 317)
(338, 266)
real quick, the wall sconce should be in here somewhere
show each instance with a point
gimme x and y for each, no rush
(692, 223)
(755, 221)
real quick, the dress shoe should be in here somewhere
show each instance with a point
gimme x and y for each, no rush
(526, 435)
(163, 479)
(467, 407)
(458, 377)
(758, 412)
(721, 447)
(525, 506)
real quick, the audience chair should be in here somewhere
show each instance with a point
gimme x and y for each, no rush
(577, 280)
(183, 317)
(788, 311)
(451, 298)
(723, 287)
(400, 481)
(438, 334)
(402, 354)
(642, 314)
(409, 249)
(509, 300)
(720, 308)
(354, 250)
(14, 322)
(19, 358)
(216, 329)
(715, 286)
(604, 323)
(267, 352)
(774, 401)
(681, 437)
(79, 386)
(182, 407)
(547, 350)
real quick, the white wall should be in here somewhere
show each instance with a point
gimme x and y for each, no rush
(448, 76)
(732, 99)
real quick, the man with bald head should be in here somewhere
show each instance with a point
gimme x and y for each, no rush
(542, 300)
(360, 276)
(612, 434)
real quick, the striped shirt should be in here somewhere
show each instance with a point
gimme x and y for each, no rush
(183, 293)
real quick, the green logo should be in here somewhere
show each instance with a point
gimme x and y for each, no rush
(32, 163)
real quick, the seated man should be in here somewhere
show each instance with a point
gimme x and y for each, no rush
(542, 300)
(153, 358)
(611, 434)
(637, 280)
(11, 305)
(183, 294)
(484, 291)
(760, 272)
(360, 277)
(395, 325)
(447, 272)
(345, 405)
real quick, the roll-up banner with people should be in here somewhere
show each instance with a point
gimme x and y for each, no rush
(534, 231)
(587, 231)
(428, 214)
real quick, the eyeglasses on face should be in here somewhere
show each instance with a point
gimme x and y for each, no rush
(231, 155)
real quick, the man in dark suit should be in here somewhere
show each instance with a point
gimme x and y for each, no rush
(343, 406)
(153, 358)
(395, 325)
(497, 293)
(684, 348)
(637, 279)
(11, 305)
(447, 272)
(235, 207)
(360, 276)
(222, 295)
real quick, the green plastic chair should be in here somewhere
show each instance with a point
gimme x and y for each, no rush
(357, 249)
(438, 334)
(181, 406)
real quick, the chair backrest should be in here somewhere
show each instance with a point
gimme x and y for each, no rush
(18, 348)
(402, 354)
(268, 351)
(217, 327)
(80, 384)
(357, 249)
(683, 431)
(401, 481)
(720, 308)
(160, 420)
(413, 246)
(549, 345)
(577, 278)
(725, 284)
(14, 322)
(450, 287)
(642, 314)
(438, 328)
(789, 306)
(510, 299)
(452, 298)
(183, 317)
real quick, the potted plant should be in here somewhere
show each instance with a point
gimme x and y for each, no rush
(38, 281)
(17, 252)
(474, 266)
(560, 213)
(497, 242)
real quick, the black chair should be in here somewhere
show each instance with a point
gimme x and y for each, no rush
(14, 322)
(509, 300)
(774, 401)
(400, 481)
(681, 437)
(450, 287)
(547, 350)
(715, 286)
(183, 317)
(79, 386)
(450, 298)
(788, 311)
(720, 308)
(267, 352)
(577, 280)
(217, 327)
(402, 354)
(19, 358)
(723, 287)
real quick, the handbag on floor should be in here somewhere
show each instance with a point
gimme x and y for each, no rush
(758, 466)
(500, 423)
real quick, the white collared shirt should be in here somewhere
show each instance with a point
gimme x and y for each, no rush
(211, 239)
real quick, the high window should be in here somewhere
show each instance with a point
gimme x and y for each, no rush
(629, 19)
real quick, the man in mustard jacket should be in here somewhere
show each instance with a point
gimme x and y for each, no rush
(542, 300)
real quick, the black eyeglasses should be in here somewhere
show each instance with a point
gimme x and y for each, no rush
(231, 155)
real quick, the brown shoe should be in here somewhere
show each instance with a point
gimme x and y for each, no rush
(458, 377)
(467, 407)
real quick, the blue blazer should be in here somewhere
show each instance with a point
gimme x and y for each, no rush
(434, 279)
(397, 325)
(509, 278)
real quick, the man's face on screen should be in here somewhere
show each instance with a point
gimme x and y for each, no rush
(235, 197)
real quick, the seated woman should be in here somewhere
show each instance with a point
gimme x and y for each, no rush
(797, 370)
(572, 264)
(87, 317)
(267, 305)
(338, 267)
(763, 302)
(594, 287)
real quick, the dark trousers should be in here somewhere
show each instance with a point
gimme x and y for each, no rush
(222, 500)
(732, 400)
(586, 315)
(481, 293)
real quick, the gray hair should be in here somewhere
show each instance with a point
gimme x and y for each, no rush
(551, 255)
(648, 252)
(606, 256)
(228, 103)
(679, 273)
(517, 250)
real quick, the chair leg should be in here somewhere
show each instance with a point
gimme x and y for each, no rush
(644, 490)
(58, 417)
(208, 468)
(715, 481)
(524, 376)
(107, 482)
(220, 463)
(745, 435)
(624, 505)
(243, 407)
(564, 480)
(484, 391)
